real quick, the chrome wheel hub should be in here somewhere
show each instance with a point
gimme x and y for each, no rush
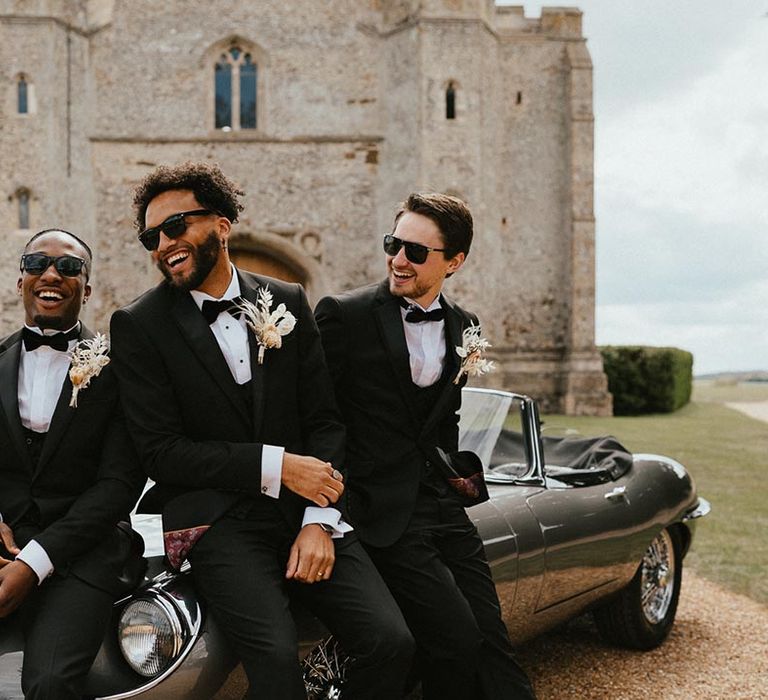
(658, 578)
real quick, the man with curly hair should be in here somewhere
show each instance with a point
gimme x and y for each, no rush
(230, 405)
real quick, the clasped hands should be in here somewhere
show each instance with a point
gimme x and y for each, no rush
(16, 578)
(312, 555)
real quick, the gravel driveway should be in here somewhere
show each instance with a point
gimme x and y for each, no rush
(717, 650)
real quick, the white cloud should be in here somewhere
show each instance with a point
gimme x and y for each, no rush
(702, 151)
(681, 165)
(726, 335)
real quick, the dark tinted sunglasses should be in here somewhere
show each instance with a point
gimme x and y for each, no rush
(38, 263)
(414, 252)
(173, 227)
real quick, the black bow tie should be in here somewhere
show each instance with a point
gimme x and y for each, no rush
(211, 309)
(417, 315)
(57, 341)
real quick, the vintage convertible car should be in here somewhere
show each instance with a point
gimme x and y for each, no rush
(572, 524)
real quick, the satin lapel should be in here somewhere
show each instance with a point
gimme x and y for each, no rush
(9, 396)
(249, 292)
(390, 322)
(203, 343)
(453, 331)
(62, 414)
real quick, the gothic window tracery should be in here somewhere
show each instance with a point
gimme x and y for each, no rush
(235, 89)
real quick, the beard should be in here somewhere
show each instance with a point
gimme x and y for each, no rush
(204, 257)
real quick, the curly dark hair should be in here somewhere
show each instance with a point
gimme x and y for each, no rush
(210, 186)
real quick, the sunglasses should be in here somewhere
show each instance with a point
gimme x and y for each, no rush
(173, 227)
(38, 263)
(414, 252)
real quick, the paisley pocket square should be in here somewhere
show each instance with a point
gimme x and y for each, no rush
(463, 470)
(178, 544)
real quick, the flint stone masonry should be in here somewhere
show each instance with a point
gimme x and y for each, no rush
(351, 117)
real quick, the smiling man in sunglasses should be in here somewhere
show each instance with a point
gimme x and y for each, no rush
(244, 441)
(391, 351)
(67, 477)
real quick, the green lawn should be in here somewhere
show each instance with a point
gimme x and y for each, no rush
(727, 454)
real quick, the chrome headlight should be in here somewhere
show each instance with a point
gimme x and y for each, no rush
(151, 635)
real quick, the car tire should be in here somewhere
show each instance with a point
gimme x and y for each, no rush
(641, 615)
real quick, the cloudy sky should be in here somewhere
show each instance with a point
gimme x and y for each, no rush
(681, 175)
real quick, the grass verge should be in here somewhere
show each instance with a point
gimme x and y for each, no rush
(727, 454)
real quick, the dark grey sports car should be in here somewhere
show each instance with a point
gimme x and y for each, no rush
(572, 524)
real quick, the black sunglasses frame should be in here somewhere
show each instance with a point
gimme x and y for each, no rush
(62, 263)
(414, 252)
(173, 227)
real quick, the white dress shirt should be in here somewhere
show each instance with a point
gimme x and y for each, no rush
(232, 337)
(426, 345)
(41, 377)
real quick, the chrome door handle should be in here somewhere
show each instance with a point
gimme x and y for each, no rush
(618, 494)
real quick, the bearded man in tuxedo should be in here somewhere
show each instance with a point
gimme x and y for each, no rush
(233, 415)
(69, 477)
(391, 350)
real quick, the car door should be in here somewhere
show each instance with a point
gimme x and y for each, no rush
(586, 538)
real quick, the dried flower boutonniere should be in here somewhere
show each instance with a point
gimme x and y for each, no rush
(88, 359)
(473, 364)
(269, 327)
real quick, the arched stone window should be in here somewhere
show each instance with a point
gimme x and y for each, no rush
(22, 95)
(22, 201)
(450, 101)
(235, 89)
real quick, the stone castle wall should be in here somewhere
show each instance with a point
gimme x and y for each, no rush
(351, 118)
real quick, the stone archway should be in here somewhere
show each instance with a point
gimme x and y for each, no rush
(291, 256)
(263, 263)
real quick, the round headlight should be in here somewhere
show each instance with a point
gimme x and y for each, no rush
(150, 635)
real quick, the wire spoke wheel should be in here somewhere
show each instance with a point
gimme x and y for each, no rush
(658, 578)
(641, 615)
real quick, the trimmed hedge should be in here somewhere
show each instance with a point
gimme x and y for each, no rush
(645, 379)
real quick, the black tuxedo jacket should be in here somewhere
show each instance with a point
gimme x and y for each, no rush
(387, 443)
(87, 478)
(188, 417)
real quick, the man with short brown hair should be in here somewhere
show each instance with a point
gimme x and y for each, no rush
(391, 351)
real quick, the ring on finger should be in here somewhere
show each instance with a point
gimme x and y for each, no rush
(336, 474)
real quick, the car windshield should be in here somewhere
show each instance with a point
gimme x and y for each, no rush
(482, 416)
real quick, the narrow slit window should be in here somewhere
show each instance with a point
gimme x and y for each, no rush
(223, 81)
(450, 101)
(248, 93)
(23, 201)
(23, 95)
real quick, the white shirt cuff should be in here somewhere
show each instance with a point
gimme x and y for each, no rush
(34, 556)
(313, 515)
(271, 470)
